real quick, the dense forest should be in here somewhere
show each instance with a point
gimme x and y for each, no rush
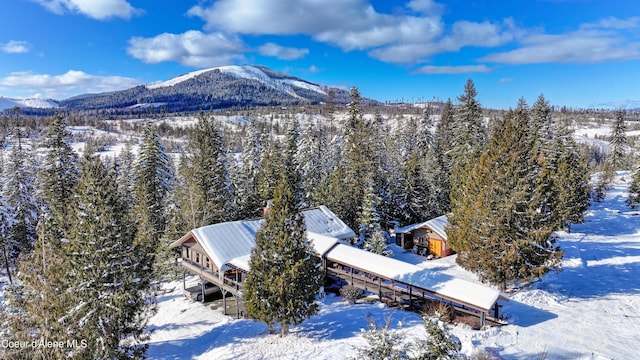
(98, 226)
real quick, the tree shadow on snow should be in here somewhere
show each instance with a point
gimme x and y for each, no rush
(524, 315)
(345, 321)
(217, 337)
(604, 267)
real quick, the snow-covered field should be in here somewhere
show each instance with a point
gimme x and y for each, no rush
(589, 310)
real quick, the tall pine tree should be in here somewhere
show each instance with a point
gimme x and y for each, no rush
(110, 304)
(497, 227)
(284, 277)
(153, 177)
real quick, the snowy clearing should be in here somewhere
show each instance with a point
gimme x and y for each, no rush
(586, 311)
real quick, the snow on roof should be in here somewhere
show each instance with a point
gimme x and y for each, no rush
(445, 285)
(437, 225)
(226, 241)
(321, 244)
(229, 242)
(323, 221)
(241, 262)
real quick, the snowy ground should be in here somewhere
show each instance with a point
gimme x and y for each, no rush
(587, 311)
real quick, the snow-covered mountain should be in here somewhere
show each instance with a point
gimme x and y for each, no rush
(9, 103)
(278, 81)
(219, 87)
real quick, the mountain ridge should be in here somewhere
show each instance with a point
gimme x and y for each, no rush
(216, 88)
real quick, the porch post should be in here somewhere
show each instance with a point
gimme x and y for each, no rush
(224, 300)
(202, 288)
(410, 298)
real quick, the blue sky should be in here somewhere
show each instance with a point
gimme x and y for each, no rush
(579, 53)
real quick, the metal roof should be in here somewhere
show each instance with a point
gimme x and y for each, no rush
(438, 226)
(233, 241)
(442, 284)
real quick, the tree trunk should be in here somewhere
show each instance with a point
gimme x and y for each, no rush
(284, 328)
(6, 262)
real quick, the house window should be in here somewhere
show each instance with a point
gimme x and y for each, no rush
(207, 262)
(197, 257)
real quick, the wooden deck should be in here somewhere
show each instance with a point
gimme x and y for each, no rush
(407, 295)
(227, 285)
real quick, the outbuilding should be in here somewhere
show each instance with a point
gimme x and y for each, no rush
(426, 238)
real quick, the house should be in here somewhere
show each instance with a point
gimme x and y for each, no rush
(220, 253)
(425, 238)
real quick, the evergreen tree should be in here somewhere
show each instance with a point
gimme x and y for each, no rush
(270, 170)
(634, 189)
(498, 228)
(377, 243)
(125, 168)
(205, 194)
(20, 194)
(383, 342)
(313, 161)
(153, 177)
(291, 165)
(247, 198)
(619, 143)
(350, 178)
(59, 172)
(109, 311)
(570, 185)
(442, 153)
(467, 140)
(37, 302)
(284, 277)
(438, 345)
(468, 132)
(6, 223)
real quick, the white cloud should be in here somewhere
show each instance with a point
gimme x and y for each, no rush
(582, 46)
(281, 52)
(96, 9)
(191, 48)
(16, 47)
(430, 69)
(348, 24)
(425, 7)
(614, 23)
(313, 69)
(61, 86)
(610, 39)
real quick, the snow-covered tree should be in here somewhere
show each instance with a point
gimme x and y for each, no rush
(59, 172)
(109, 310)
(312, 159)
(377, 243)
(153, 176)
(442, 153)
(20, 194)
(247, 198)
(438, 345)
(6, 223)
(383, 342)
(204, 194)
(618, 156)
